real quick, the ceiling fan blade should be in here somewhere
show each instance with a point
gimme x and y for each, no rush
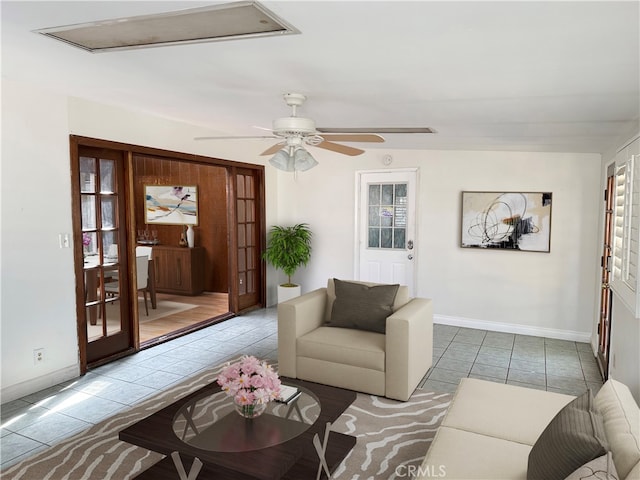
(378, 130)
(356, 137)
(233, 137)
(273, 149)
(336, 147)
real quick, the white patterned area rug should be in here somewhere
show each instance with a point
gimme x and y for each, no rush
(391, 436)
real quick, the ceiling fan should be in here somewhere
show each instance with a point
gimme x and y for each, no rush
(295, 132)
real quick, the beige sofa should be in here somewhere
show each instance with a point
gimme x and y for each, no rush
(390, 364)
(490, 428)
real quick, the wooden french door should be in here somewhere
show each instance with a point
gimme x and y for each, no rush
(105, 320)
(604, 323)
(106, 211)
(246, 287)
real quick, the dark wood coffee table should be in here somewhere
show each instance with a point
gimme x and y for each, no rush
(294, 459)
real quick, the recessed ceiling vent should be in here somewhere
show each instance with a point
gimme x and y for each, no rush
(208, 24)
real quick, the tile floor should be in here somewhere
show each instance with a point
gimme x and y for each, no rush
(34, 422)
(535, 362)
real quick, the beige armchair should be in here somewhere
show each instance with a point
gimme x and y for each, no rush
(389, 364)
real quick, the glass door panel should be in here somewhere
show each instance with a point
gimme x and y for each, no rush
(387, 216)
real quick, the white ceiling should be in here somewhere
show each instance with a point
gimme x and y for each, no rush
(533, 76)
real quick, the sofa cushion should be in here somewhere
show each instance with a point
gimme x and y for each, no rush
(362, 307)
(458, 454)
(621, 417)
(574, 437)
(602, 468)
(504, 411)
(402, 297)
(342, 345)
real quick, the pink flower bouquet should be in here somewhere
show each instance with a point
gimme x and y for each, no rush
(250, 382)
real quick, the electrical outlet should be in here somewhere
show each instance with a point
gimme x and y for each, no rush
(38, 356)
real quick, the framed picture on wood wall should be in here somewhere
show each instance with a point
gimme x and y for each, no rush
(507, 220)
(171, 205)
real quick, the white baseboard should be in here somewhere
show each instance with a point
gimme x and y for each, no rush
(513, 328)
(19, 390)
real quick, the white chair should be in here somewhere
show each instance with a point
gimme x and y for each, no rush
(151, 285)
(144, 251)
(142, 277)
(112, 252)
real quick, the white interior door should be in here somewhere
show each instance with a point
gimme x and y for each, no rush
(386, 237)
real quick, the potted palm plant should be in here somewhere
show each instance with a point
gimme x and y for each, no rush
(287, 249)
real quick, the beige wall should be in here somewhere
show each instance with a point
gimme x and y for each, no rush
(525, 292)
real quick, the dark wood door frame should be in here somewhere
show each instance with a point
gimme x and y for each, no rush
(129, 150)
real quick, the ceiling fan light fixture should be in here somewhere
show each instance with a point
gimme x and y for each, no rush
(290, 159)
(303, 160)
(282, 161)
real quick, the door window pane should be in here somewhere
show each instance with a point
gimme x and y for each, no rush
(386, 238)
(107, 180)
(387, 194)
(249, 191)
(387, 215)
(87, 175)
(242, 259)
(374, 238)
(109, 247)
(89, 247)
(251, 254)
(242, 214)
(250, 234)
(374, 194)
(251, 211)
(374, 216)
(240, 181)
(88, 212)
(109, 209)
(242, 236)
(399, 238)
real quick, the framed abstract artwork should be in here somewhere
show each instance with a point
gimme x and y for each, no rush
(507, 220)
(170, 205)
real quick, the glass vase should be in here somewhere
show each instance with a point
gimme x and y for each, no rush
(250, 411)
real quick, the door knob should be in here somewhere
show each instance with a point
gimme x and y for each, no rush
(410, 257)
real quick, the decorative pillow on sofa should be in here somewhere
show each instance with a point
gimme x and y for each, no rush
(574, 437)
(602, 468)
(361, 306)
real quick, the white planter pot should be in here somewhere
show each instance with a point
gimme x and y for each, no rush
(287, 293)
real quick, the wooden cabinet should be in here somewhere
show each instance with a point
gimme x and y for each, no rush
(179, 270)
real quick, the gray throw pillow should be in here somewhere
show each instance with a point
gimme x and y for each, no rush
(574, 437)
(361, 306)
(602, 468)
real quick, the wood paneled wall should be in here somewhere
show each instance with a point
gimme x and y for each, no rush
(211, 231)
